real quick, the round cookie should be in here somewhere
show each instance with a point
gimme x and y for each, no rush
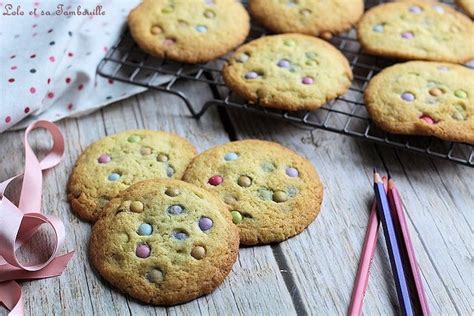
(288, 71)
(271, 192)
(317, 18)
(424, 98)
(467, 6)
(417, 30)
(164, 242)
(113, 163)
(191, 31)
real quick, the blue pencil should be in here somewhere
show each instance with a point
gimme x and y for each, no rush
(385, 216)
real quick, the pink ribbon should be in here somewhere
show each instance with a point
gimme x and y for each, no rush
(19, 224)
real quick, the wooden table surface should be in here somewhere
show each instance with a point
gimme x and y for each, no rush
(311, 273)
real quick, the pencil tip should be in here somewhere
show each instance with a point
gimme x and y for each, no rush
(377, 178)
(391, 183)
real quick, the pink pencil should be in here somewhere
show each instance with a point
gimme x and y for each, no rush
(413, 271)
(370, 242)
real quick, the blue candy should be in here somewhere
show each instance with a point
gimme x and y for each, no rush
(180, 235)
(145, 229)
(230, 156)
(175, 209)
(113, 176)
(201, 28)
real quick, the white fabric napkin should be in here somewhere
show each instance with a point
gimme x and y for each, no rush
(49, 55)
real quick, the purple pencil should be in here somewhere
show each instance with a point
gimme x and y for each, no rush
(385, 217)
(413, 270)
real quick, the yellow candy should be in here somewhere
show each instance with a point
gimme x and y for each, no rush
(198, 252)
(136, 206)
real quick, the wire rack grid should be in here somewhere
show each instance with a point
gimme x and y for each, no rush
(346, 115)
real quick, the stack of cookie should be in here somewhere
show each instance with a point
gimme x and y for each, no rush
(297, 71)
(293, 71)
(430, 97)
(165, 241)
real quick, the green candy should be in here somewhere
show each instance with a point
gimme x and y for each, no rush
(459, 113)
(265, 194)
(460, 94)
(458, 116)
(268, 166)
(292, 191)
(167, 10)
(311, 55)
(289, 43)
(133, 139)
(236, 217)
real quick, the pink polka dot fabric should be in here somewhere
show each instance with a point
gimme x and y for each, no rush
(48, 62)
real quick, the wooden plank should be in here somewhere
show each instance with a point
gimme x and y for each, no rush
(323, 260)
(438, 197)
(99, 300)
(255, 284)
(318, 266)
(56, 291)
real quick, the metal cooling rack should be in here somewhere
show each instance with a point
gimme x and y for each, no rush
(346, 115)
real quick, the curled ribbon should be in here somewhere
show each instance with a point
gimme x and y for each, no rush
(19, 224)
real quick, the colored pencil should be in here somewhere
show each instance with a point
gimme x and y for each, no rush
(385, 216)
(406, 246)
(368, 250)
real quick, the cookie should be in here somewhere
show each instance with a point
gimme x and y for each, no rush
(424, 98)
(317, 18)
(115, 162)
(164, 242)
(190, 31)
(467, 6)
(271, 192)
(417, 30)
(288, 71)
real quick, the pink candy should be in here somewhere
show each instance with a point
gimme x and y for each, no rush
(307, 80)
(143, 251)
(104, 158)
(416, 9)
(427, 119)
(215, 180)
(408, 35)
(169, 42)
